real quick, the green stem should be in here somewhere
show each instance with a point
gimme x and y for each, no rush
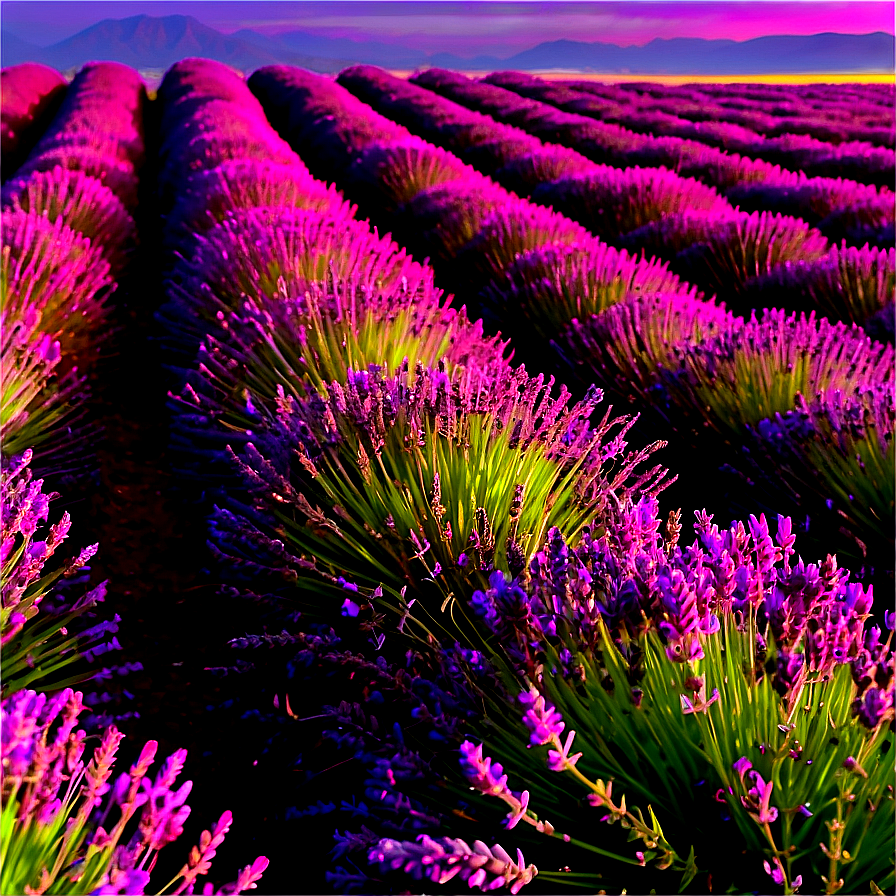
(836, 830)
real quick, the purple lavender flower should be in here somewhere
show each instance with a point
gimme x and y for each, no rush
(445, 858)
(489, 778)
(758, 795)
(542, 719)
(132, 883)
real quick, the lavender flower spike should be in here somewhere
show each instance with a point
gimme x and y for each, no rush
(542, 719)
(759, 793)
(488, 778)
(443, 859)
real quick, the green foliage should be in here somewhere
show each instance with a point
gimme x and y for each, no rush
(755, 370)
(422, 482)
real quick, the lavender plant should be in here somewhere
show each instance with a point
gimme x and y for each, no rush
(39, 649)
(543, 163)
(96, 159)
(814, 199)
(273, 255)
(755, 369)
(611, 202)
(625, 347)
(33, 402)
(847, 284)
(512, 230)
(748, 246)
(837, 448)
(56, 807)
(544, 289)
(668, 236)
(307, 336)
(410, 487)
(83, 204)
(49, 268)
(209, 197)
(31, 95)
(391, 174)
(448, 216)
(731, 690)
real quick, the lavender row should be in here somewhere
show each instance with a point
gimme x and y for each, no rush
(66, 239)
(855, 159)
(276, 284)
(781, 100)
(31, 95)
(46, 782)
(691, 114)
(67, 236)
(472, 228)
(609, 202)
(551, 175)
(843, 209)
(791, 99)
(330, 518)
(718, 264)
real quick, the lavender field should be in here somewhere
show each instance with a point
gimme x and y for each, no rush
(438, 483)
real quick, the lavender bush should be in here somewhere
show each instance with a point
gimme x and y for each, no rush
(210, 196)
(847, 284)
(837, 449)
(56, 808)
(755, 369)
(702, 664)
(513, 229)
(392, 174)
(610, 202)
(50, 269)
(544, 289)
(83, 204)
(413, 486)
(38, 650)
(626, 347)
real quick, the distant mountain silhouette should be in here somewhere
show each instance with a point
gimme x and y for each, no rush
(153, 42)
(148, 42)
(826, 52)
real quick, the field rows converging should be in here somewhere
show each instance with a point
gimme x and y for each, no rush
(858, 161)
(850, 116)
(416, 425)
(842, 208)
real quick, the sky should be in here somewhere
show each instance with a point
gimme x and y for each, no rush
(467, 28)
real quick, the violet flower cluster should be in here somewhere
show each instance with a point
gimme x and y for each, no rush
(627, 581)
(443, 859)
(66, 630)
(47, 784)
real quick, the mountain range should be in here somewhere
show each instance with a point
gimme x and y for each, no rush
(148, 42)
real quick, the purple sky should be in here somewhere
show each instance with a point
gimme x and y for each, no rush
(468, 28)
